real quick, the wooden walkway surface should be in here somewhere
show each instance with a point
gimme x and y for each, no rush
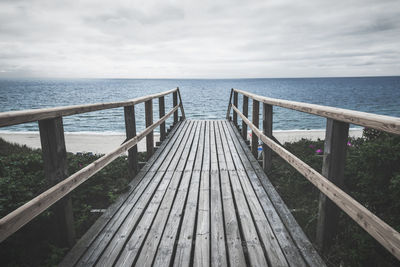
(201, 200)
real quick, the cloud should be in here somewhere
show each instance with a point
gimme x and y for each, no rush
(205, 39)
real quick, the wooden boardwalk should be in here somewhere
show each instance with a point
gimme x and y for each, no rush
(201, 200)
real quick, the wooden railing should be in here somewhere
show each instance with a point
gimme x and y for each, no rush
(331, 179)
(54, 155)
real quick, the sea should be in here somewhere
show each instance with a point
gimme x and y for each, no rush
(202, 99)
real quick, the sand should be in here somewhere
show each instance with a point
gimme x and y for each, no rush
(101, 143)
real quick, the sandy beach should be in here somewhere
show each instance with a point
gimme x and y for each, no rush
(103, 143)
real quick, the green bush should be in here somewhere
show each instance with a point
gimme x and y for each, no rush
(372, 177)
(22, 178)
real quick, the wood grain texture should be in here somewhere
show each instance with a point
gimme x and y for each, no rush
(181, 104)
(130, 128)
(267, 130)
(381, 231)
(380, 122)
(174, 104)
(256, 121)
(161, 112)
(149, 121)
(245, 113)
(23, 116)
(235, 103)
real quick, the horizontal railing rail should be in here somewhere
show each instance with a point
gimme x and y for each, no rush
(24, 214)
(17, 117)
(380, 122)
(377, 228)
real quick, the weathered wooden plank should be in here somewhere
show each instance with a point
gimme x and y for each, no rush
(267, 130)
(172, 221)
(256, 119)
(149, 182)
(181, 104)
(56, 169)
(381, 231)
(336, 137)
(152, 223)
(19, 217)
(148, 201)
(130, 128)
(217, 237)
(17, 117)
(161, 111)
(255, 226)
(296, 233)
(380, 122)
(202, 242)
(228, 112)
(232, 232)
(183, 254)
(246, 113)
(114, 211)
(262, 208)
(149, 121)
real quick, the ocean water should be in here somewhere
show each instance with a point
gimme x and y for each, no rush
(202, 98)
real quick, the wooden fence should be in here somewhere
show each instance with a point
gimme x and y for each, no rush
(55, 159)
(331, 179)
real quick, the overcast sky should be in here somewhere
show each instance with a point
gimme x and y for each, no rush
(199, 39)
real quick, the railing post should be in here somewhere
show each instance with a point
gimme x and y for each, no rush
(235, 103)
(246, 114)
(175, 102)
(161, 110)
(149, 121)
(256, 119)
(267, 130)
(228, 117)
(181, 104)
(333, 169)
(130, 127)
(56, 169)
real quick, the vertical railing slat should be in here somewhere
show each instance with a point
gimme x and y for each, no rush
(333, 169)
(235, 103)
(56, 169)
(175, 102)
(161, 110)
(149, 121)
(256, 119)
(130, 127)
(267, 130)
(246, 114)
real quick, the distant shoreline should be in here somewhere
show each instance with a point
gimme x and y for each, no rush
(101, 143)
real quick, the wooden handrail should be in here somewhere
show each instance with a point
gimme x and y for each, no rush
(382, 232)
(22, 215)
(17, 117)
(379, 122)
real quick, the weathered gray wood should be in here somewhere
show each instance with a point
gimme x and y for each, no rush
(161, 111)
(246, 113)
(235, 103)
(217, 237)
(228, 112)
(185, 242)
(23, 116)
(19, 217)
(256, 119)
(381, 231)
(168, 235)
(183, 117)
(380, 122)
(175, 103)
(291, 238)
(267, 130)
(55, 170)
(337, 134)
(149, 121)
(234, 243)
(253, 217)
(202, 242)
(130, 128)
(154, 218)
(113, 216)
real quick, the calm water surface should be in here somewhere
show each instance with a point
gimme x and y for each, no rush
(202, 98)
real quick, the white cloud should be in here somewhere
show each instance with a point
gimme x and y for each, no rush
(206, 39)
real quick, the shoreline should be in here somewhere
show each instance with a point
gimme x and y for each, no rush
(101, 143)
